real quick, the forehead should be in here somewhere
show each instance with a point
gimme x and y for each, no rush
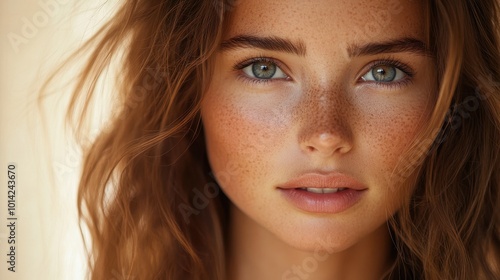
(323, 20)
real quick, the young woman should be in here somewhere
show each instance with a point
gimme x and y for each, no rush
(349, 139)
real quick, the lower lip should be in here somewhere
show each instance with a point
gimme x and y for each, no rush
(323, 202)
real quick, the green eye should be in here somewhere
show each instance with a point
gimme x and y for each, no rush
(264, 69)
(384, 73)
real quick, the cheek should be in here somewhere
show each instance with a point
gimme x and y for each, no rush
(391, 131)
(240, 141)
(388, 133)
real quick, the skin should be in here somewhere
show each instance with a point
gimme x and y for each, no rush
(320, 116)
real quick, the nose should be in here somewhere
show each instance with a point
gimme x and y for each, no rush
(325, 130)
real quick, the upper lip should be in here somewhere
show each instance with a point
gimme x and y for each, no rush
(331, 180)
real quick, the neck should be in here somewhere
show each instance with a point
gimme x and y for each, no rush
(256, 253)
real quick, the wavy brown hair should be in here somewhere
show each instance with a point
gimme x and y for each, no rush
(139, 194)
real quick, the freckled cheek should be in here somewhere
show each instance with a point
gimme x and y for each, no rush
(389, 134)
(241, 141)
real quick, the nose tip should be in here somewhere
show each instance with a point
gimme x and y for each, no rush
(326, 144)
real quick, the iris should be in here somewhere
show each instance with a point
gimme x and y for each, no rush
(264, 69)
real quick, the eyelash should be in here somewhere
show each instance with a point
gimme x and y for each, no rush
(408, 71)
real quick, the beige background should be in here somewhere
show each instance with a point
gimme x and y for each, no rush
(34, 37)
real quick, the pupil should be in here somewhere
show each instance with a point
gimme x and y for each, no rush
(384, 73)
(264, 70)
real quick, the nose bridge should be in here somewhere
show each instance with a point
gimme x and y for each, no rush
(325, 113)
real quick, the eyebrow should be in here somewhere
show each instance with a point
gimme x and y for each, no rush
(406, 44)
(271, 43)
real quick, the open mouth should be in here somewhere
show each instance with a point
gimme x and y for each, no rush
(323, 190)
(323, 193)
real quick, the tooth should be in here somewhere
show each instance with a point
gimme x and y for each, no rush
(315, 190)
(330, 190)
(322, 190)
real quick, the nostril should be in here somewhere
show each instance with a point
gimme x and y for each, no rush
(310, 149)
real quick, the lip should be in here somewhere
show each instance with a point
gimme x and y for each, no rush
(332, 203)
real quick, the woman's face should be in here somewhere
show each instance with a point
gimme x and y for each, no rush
(311, 105)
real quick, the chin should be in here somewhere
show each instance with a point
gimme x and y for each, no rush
(319, 239)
